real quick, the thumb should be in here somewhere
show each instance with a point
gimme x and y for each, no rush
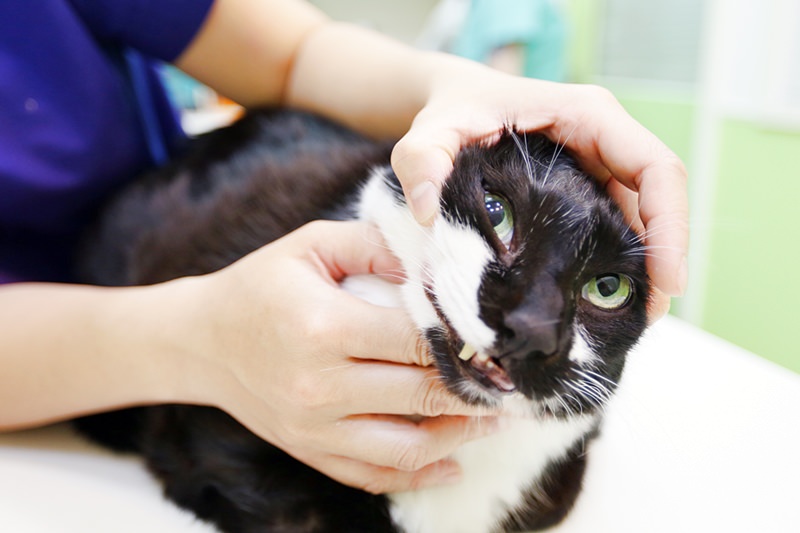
(422, 163)
(349, 248)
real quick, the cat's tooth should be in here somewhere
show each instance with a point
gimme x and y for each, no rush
(466, 352)
(482, 357)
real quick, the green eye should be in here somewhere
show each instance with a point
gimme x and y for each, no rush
(500, 217)
(608, 291)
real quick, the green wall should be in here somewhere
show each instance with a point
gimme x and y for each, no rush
(754, 263)
(748, 294)
(669, 116)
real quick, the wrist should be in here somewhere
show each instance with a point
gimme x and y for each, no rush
(156, 334)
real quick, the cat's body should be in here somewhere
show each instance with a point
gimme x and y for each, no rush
(516, 310)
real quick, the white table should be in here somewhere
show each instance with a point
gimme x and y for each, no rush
(702, 437)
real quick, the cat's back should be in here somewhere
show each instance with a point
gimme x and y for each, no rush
(238, 188)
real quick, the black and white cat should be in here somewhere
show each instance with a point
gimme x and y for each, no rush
(529, 288)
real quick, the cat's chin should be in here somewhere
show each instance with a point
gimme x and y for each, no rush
(479, 379)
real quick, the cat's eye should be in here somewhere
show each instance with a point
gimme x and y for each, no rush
(500, 217)
(608, 291)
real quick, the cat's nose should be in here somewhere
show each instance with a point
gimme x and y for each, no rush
(532, 329)
(530, 335)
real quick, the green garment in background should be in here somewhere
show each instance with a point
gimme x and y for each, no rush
(537, 25)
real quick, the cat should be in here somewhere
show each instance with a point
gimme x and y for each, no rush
(529, 288)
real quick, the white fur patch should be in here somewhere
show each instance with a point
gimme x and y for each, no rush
(405, 238)
(582, 352)
(458, 259)
(450, 258)
(496, 472)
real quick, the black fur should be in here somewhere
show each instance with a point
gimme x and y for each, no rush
(244, 186)
(237, 189)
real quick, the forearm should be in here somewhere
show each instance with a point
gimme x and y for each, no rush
(287, 52)
(387, 82)
(67, 350)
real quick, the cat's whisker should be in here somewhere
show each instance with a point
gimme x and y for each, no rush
(663, 228)
(565, 399)
(651, 247)
(591, 379)
(566, 406)
(644, 254)
(641, 237)
(557, 152)
(591, 374)
(522, 146)
(645, 251)
(601, 392)
(597, 396)
(398, 277)
(664, 224)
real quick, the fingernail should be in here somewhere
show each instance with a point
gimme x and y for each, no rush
(683, 276)
(424, 201)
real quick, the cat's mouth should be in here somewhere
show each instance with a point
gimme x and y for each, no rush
(486, 370)
(479, 366)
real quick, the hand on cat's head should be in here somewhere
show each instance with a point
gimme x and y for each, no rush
(640, 172)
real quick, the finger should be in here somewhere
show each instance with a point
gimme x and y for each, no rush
(628, 202)
(351, 326)
(396, 442)
(422, 160)
(657, 306)
(660, 180)
(658, 303)
(382, 480)
(637, 159)
(400, 390)
(664, 211)
(348, 248)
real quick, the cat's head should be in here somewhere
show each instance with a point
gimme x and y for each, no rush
(529, 287)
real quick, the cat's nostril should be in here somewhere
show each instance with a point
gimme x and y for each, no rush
(530, 336)
(507, 334)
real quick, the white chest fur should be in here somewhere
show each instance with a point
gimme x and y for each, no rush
(497, 470)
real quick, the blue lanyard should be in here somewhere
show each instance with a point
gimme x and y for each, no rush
(138, 70)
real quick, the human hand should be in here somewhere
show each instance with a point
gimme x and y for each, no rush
(468, 103)
(323, 375)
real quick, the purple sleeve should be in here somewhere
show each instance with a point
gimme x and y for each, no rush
(158, 28)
